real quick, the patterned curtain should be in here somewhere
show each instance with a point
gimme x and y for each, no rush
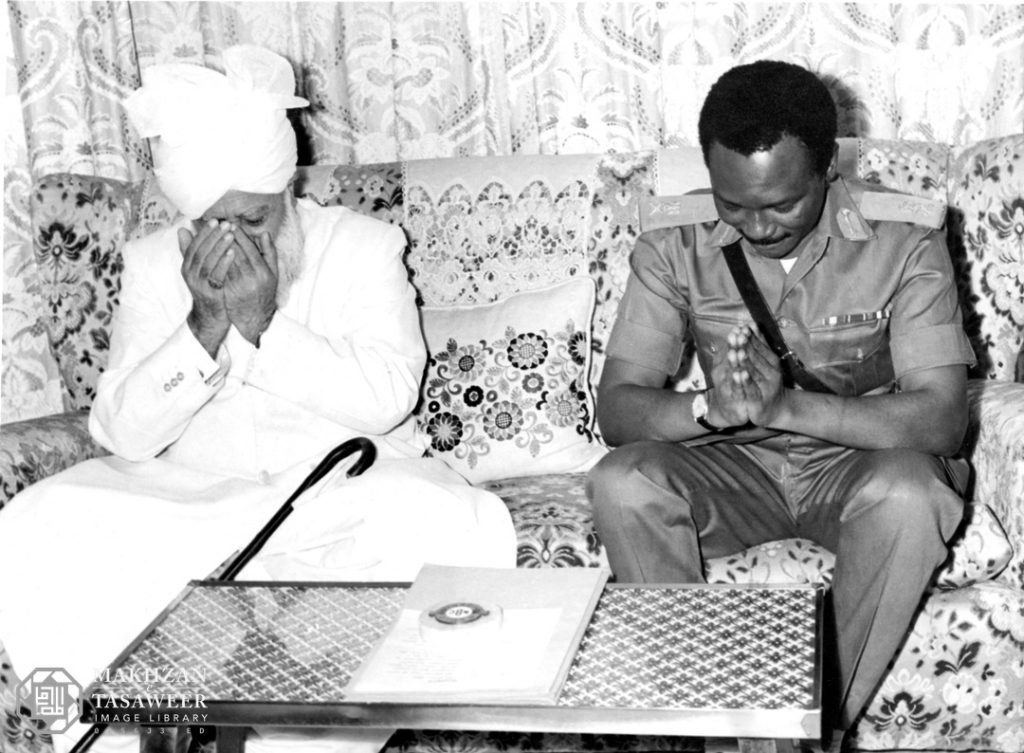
(68, 67)
(407, 80)
(383, 79)
(29, 384)
(75, 62)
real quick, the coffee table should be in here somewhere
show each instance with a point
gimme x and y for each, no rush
(698, 660)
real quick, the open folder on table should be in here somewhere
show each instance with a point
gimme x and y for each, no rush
(481, 635)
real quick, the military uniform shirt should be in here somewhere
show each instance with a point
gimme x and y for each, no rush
(867, 302)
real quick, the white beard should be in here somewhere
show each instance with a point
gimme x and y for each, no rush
(290, 244)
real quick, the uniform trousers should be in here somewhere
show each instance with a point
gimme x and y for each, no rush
(662, 509)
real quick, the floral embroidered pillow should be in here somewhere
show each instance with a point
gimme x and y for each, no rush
(507, 390)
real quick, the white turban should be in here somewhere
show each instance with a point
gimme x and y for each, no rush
(219, 131)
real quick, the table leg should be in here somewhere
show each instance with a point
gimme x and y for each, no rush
(163, 740)
(231, 739)
(759, 745)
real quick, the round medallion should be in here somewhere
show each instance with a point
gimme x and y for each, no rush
(458, 613)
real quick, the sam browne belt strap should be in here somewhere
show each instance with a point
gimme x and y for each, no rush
(793, 369)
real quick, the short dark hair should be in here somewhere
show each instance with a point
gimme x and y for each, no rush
(751, 107)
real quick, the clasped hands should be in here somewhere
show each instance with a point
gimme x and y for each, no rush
(748, 382)
(232, 281)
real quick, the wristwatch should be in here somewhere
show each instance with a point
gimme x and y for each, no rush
(700, 412)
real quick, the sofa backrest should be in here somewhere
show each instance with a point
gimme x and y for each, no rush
(483, 228)
(79, 227)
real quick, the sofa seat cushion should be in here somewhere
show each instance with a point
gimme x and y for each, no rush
(555, 528)
(552, 518)
(785, 561)
(981, 550)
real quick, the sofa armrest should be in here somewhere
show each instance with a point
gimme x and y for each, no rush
(995, 447)
(36, 448)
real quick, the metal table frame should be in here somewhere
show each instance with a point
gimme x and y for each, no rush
(758, 730)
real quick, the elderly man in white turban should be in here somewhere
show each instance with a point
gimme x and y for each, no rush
(253, 337)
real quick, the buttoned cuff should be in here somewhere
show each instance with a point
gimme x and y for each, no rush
(214, 371)
(926, 348)
(644, 346)
(211, 371)
(241, 354)
(277, 341)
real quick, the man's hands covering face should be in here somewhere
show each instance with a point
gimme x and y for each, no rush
(748, 381)
(232, 281)
(250, 290)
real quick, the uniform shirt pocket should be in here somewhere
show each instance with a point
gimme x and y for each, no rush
(851, 352)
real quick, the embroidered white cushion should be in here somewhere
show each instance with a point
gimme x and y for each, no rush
(507, 391)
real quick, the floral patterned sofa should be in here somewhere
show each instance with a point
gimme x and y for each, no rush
(520, 263)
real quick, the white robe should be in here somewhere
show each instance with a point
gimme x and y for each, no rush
(206, 450)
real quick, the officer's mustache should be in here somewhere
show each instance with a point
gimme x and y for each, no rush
(767, 241)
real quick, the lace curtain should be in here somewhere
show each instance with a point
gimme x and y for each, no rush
(411, 79)
(406, 80)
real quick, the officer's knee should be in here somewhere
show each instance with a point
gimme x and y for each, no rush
(905, 492)
(611, 479)
(620, 479)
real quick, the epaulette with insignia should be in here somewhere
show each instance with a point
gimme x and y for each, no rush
(901, 207)
(673, 211)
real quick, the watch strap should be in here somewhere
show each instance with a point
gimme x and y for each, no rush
(707, 424)
(702, 418)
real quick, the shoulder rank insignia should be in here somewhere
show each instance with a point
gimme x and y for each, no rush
(673, 211)
(852, 225)
(899, 207)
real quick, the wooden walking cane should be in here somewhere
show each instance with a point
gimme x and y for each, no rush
(367, 455)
